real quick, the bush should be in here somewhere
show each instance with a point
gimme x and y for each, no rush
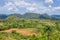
(13, 31)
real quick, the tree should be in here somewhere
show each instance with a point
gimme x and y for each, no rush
(57, 26)
(48, 30)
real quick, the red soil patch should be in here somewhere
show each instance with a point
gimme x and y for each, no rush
(28, 32)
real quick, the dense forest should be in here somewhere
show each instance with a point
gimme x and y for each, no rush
(29, 26)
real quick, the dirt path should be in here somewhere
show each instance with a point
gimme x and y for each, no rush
(26, 31)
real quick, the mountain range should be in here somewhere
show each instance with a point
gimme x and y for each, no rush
(31, 16)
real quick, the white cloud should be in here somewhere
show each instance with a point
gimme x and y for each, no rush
(57, 8)
(49, 1)
(22, 3)
(9, 6)
(28, 6)
(15, 6)
(31, 8)
(50, 6)
(35, 7)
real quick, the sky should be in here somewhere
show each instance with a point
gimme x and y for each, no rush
(35, 6)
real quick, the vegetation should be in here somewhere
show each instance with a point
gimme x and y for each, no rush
(40, 29)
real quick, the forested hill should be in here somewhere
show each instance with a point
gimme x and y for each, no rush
(3, 16)
(31, 16)
(55, 16)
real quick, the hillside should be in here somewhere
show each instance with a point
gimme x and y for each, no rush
(15, 28)
(3, 16)
(32, 16)
(55, 16)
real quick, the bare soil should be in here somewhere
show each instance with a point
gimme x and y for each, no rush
(26, 31)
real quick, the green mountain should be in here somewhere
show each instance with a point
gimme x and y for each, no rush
(31, 15)
(3, 16)
(44, 16)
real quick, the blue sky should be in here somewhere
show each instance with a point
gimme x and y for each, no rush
(35, 6)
